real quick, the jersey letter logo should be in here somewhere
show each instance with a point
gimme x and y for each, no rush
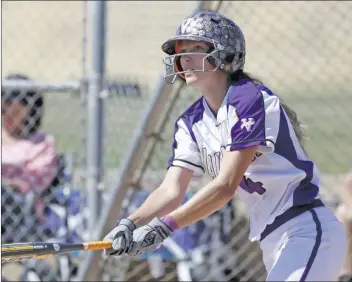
(247, 123)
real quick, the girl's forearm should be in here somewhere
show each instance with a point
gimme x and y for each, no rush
(159, 203)
(204, 203)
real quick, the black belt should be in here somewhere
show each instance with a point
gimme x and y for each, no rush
(289, 214)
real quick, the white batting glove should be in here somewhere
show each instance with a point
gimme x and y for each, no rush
(121, 237)
(148, 238)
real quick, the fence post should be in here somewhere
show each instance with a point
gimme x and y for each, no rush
(95, 109)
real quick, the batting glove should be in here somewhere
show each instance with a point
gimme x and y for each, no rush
(121, 238)
(148, 238)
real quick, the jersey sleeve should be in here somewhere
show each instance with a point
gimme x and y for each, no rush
(254, 118)
(185, 151)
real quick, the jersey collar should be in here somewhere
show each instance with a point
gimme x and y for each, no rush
(222, 113)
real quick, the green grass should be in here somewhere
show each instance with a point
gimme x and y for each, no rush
(329, 128)
(328, 117)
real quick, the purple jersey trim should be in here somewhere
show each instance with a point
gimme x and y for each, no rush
(306, 191)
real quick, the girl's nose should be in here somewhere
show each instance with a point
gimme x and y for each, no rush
(185, 61)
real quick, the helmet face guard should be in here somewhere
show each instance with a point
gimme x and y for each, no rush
(173, 65)
(228, 44)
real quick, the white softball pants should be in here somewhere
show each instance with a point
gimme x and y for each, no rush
(309, 247)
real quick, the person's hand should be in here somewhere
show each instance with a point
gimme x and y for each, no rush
(149, 237)
(121, 237)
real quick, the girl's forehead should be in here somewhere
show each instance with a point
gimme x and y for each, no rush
(190, 43)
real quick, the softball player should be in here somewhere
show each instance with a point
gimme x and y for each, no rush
(240, 134)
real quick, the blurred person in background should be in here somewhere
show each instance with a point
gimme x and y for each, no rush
(344, 212)
(29, 160)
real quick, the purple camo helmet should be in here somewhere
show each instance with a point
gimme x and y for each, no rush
(226, 38)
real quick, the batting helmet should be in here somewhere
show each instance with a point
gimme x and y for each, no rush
(227, 52)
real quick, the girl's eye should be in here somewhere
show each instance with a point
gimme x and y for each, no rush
(198, 48)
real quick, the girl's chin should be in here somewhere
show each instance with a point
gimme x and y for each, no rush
(191, 80)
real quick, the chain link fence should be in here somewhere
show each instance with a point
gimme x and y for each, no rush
(52, 44)
(298, 48)
(43, 132)
(302, 50)
(298, 53)
(41, 195)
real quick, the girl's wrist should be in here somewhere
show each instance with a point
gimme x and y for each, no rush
(169, 221)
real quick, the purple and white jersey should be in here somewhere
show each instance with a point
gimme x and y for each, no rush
(279, 177)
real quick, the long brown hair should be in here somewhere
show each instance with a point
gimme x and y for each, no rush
(297, 125)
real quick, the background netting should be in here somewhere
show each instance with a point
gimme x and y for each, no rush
(300, 49)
